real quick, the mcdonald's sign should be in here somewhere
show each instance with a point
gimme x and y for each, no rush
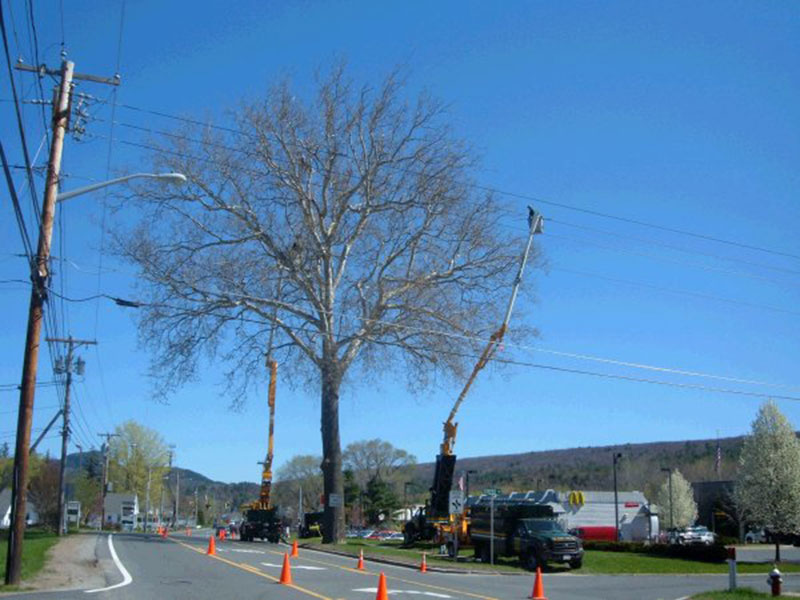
(576, 498)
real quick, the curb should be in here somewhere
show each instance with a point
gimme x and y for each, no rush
(408, 565)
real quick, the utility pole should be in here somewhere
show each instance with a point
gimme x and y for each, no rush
(33, 336)
(147, 503)
(66, 368)
(104, 491)
(195, 508)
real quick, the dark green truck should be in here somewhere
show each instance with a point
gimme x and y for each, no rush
(529, 531)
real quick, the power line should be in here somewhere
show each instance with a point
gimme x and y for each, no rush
(526, 197)
(654, 242)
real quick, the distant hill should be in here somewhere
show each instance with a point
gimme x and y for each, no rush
(590, 467)
(581, 468)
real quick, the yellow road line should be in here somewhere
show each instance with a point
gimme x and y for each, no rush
(255, 571)
(389, 577)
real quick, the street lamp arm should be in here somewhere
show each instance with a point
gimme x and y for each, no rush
(171, 177)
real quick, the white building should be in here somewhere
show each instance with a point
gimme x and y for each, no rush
(122, 510)
(592, 514)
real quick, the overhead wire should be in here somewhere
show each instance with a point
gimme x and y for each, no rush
(526, 197)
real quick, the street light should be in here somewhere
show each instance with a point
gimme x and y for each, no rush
(671, 514)
(616, 456)
(168, 177)
(469, 471)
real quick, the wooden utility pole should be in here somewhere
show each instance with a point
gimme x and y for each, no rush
(104, 491)
(71, 345)
(19, 481)
(39, 277)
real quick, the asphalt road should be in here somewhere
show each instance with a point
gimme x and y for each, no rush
(177, 568)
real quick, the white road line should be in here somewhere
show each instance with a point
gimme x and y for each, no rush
(307, 568)
(126, 577)
(410, 592)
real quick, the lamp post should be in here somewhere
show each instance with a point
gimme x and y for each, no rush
(473, 472)
(405, 497)
(671, 513)
(616, 456)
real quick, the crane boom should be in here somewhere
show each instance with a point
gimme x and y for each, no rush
(450, 427)
(266, 475)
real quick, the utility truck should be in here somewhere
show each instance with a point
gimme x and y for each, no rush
(260, 517)
(525, 529)
(430, 522)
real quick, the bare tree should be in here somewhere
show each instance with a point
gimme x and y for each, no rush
(300, 474)
(348, 224)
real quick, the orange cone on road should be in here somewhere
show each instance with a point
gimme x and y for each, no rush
(164, 533)
(294, 553)
(538, 587)
(423, 567)
(360, 566)
(383, 594)
(286, 572)
(222, 534)
(212, 548)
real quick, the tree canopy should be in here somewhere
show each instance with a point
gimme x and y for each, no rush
(679, 506)
(340, 233)
(767, 490)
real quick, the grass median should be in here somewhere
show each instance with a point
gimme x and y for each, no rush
(34, 552)
(739, 594)
(595, 562)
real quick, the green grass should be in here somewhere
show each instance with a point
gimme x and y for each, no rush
(594, 561)
(34, 549)
(739, 594)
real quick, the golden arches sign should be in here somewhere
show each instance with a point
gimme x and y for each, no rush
(576, 498)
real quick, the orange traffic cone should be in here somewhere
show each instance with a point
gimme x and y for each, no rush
(423, 567)
(286, 572)
(222, 534)
(360, 566)
(382, 593)
(164, 533)
(212, 548)
(538, 587)
(294, 553)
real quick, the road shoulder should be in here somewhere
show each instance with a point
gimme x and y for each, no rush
(71, 564)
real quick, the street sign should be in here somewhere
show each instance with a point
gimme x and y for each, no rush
(491, 492)
(456, 501)
(334, 500)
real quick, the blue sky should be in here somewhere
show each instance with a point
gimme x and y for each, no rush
(682, 115)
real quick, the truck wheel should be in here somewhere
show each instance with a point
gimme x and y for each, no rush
(529, 561)
(576, 564)
(451, 550)
(485, 556)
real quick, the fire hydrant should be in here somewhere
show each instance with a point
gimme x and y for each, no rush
(775, 580)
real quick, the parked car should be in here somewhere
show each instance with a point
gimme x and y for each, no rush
(758, 536)
(691, 535)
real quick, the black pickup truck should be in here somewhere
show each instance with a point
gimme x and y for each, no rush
(529, 531)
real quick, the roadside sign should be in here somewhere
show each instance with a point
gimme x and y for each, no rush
(334, 499)
(491, 492)
(456, 501)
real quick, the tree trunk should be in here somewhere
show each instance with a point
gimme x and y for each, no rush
(333, 482)
(777, 549)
